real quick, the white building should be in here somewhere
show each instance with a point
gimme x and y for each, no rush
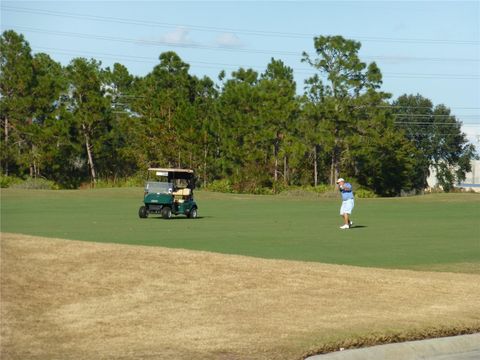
(472, 179)
(471, 182)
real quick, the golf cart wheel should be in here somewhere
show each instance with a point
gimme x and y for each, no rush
(166, 212)
(193, 213)
(143, 212)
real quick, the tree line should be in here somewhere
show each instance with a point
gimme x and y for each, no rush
(84, 123)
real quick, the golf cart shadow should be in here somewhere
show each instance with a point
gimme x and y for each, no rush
(173, 218)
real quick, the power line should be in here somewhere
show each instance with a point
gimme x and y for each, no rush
(217, 48)
(222, 29)
(363, 106)
(434, 76)
(213, 65)
(435, 123)
(421, 107)
(154, 42)
(430, 133)
(432, 115)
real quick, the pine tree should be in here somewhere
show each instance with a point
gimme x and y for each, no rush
(16, 81)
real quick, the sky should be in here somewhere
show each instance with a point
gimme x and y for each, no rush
(430, 48)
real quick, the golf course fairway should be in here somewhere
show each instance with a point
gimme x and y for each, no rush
(431, 232)
(275, 278)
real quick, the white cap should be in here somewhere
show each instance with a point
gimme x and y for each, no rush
(340, 180)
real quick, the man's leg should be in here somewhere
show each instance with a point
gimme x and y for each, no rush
(344, 213)
(345, 218)
(348, 213)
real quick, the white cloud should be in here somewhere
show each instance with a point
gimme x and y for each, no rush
(179, 36)
(230, 40)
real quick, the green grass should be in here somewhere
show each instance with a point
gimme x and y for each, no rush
(437, 232)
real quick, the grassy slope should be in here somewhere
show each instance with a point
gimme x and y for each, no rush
(84, 300)
(438, 232)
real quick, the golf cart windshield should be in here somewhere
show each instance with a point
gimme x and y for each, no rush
(158, 187)
(179, 178)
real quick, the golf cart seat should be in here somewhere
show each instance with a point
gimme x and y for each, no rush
(182, 194)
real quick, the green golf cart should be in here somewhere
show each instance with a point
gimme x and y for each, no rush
(169, 192)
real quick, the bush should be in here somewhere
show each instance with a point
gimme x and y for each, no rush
(35, 184)
(8, 181)
(364, 193)
(223, 186)
(322, 190)
(248, 186)
(260, 191)
(226, 186)
(133, 181)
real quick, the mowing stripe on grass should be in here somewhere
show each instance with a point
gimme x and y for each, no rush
(425, 232)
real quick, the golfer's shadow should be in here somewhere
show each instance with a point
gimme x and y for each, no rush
(358, 227)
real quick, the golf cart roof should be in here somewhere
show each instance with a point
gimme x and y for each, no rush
(171, 170)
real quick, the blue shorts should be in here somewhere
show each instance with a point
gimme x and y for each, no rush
(347, 206)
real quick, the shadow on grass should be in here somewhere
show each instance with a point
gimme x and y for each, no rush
(358, 227)
(186, 218)
(180, 217)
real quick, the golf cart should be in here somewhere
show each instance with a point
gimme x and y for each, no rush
(167, 192)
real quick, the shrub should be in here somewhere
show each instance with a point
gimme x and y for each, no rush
(364, 193)
(322, 190)
(36, 184)
(223, 186)
(226, 186)
(260, 191)
(132, 181)
(8, 181)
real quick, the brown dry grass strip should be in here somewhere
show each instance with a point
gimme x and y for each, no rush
(67, 299)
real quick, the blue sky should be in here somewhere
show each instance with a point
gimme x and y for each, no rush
(426, 47)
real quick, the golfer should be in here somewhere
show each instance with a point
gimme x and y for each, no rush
(347, 203)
